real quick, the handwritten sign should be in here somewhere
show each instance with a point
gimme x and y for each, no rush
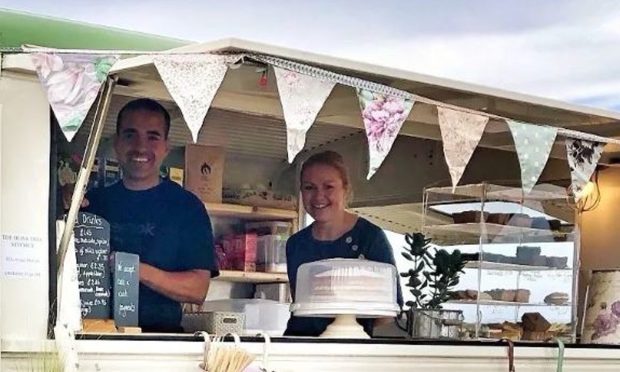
(92, 249)
(126, 281)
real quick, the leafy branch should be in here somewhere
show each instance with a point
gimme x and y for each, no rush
(436, 269)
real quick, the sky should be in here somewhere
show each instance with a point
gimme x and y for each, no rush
(561, 49)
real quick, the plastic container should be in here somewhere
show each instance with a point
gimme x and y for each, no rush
(271, 253)
(268, 317)
(346, 286)
(279, 292)
(270, 228)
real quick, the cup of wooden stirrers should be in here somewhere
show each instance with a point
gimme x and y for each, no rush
(222, 356)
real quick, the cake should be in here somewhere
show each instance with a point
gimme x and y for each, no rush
(556, 298)
(351, 283)
(510, 295)
(346, 286)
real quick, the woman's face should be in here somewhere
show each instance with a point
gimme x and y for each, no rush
(323, 192)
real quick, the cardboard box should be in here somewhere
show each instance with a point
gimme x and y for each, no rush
(267, 199)
(204, 170)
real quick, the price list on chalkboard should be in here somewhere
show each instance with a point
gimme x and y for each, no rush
(126, 275)
(92, 248)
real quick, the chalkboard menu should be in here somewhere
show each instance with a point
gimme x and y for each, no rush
(126, 280)
(92, 248)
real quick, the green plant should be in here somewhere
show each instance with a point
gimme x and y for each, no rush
(433, 268)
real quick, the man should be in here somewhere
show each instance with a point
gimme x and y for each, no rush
(167, 226)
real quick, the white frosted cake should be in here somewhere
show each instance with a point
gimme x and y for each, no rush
(346, 286)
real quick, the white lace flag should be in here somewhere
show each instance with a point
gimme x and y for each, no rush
(302, 98)
(383, 117)
(461, 133)
(193, 81)
(71, 82)
(582, 157)
(533, 144)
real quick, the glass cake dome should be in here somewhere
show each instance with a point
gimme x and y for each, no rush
(346, 286)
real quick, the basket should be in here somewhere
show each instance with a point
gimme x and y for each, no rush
(214, 322)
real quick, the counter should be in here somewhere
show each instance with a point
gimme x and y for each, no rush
(138, 353)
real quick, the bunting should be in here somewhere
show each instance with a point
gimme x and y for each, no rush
(460, 132)
(302, 97)
(71, 83)
(193, 81)
(582, 157)
(533, 144)
(383, 117)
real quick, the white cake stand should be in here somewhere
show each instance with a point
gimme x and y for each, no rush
(345, 315)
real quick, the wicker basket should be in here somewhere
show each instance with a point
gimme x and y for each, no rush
(216, 322)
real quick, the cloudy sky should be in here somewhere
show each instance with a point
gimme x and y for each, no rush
(568, 50)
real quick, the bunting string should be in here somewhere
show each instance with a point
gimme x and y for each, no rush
(322, 74)
(387, 90)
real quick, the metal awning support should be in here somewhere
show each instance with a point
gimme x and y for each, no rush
(94, 138)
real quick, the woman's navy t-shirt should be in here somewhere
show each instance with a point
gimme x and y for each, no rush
(364, 238)
(169, 228)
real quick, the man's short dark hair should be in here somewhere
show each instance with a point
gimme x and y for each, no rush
(144, 104)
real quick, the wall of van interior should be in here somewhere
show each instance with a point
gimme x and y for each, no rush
(599, 230)
(416, 163)
(24, 166)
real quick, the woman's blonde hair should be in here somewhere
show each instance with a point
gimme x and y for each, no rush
(332, 159)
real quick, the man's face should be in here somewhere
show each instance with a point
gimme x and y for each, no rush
(141, 147)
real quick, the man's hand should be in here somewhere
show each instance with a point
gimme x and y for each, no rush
(183, 286)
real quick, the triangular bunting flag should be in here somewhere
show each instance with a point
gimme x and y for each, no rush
(383, 117)
(582, 157)
(302, 98)
(71, 82)
(533, 144)
(193, 81)
(460, 132)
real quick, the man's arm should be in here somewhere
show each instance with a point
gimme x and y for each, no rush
(183, 286)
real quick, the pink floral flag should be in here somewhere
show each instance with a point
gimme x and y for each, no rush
(72, 82)
(460, 133)
(302, 98)
(383, 117)
(193, 80)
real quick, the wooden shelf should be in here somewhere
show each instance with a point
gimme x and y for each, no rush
(251, 277)
(249, 212)
(503, 303)
(485, 265)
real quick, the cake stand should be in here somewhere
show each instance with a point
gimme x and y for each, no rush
(345, 323)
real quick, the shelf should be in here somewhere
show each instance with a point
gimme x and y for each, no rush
(477, 228)
(249, 212)
(506, 193)
(503, 303)
(251, 277)
(508, 267)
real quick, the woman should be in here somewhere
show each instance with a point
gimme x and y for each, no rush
(325, 188)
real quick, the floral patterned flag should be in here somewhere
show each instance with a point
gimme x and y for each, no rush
(302, 98)
(193, 81)
(72, 82)
(460, 132)
(383, 117)
(582, 157)
(533, 144)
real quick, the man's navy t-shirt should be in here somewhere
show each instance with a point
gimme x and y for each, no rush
(169, 228)
(365, 238)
